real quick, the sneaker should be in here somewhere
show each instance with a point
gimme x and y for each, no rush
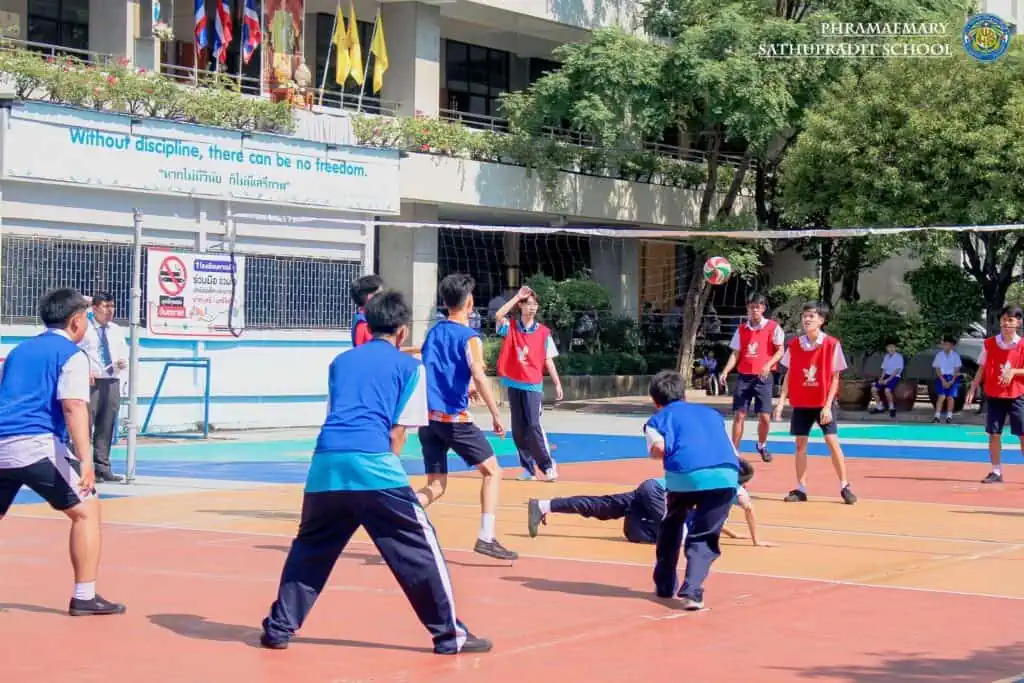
(534, 517)
(476, 645)
(949, 420)
(94, 608)
(993, 478)
(551, 475)
(525, 476)
(267, 642)
(796, 496)
(892, 412)
(494, 549)
(691, 605)
(847, 495)
(935, 420)
(763, 452)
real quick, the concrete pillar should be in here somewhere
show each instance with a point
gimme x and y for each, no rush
(408, 263)
(147, 48)
(413, 79)
(616, 265)
(513, 276)
(112, 27)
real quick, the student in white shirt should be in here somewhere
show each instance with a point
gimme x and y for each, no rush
(892, 372)
(104, 343)
(947, 366)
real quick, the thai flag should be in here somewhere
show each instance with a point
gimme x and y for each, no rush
(200, 27)
(222, 34)
(251, 34)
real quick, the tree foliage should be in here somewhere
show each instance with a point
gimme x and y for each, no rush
(949, 299)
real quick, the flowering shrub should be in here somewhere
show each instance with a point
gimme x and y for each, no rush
(117, 87)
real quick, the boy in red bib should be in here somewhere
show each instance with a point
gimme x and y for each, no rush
(362, 290)
(814, 362)
(527, 351)
(1001, 368)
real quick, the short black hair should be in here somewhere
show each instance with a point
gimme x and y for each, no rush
(102, 298)
(746, 471)
(387, 313)
(455, 289)
(1012, 311)
(757, 298)
(818, 307)
(949, 339)
(58, 306)
(361, 288)
(668, 387)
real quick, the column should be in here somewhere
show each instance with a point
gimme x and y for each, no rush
(112, 27)
(408, 263)
(147, 47)
(513, 277)
(616, 265)
(413, 79)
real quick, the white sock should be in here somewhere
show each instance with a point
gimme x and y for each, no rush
(998, 470)
(545, 506)
(801, 487)
(85, 591)
(949, 415)
(938, 413)
(486, 528)
(762, 444)
(843, 484)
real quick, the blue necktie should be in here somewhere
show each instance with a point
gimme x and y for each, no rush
(105, 357)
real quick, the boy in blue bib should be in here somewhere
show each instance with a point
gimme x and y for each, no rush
(701, 478)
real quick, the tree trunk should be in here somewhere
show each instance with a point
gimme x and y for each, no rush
(850, 267)
(826, 286)
(725, 208)
(697, 296)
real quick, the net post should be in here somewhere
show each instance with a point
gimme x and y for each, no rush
(133, 372)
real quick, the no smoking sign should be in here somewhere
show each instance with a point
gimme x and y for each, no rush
(173, 276)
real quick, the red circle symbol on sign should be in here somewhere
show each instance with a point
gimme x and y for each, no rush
(172, 276)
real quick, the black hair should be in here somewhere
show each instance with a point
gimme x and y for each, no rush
(1012, 311)
(949, 339)
(757, 298)
(455, 289)
(59, 306)
(892, 342)
(668, 387)
(816, 307)
(746, 471)
(387, 313)
(361, 288)
(102, 298)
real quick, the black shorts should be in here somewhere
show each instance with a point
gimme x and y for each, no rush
(753, 389)
(803, 419)
(465, 438)
(53, 480)
(998, 409)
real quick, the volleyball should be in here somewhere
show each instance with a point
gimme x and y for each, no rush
(717, 270)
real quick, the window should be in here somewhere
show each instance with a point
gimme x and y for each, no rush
(327, 59)
(290, 292)
(59, 22)
(475, 78)
(539, 67)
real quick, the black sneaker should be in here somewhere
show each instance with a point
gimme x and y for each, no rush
(763, 452)
(494, 549)
(474, 644)
(847, 495)
(270, 644)
(949, 420)
(94, 608)
(109, 477)
(993, 478)
(935, 420)
(796, 496)
(534, 517)
(892, 412)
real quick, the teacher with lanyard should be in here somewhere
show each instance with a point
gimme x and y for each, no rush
(104, 344)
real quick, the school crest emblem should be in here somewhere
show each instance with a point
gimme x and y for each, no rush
(522, 353)
(752, 349)
(811, 376)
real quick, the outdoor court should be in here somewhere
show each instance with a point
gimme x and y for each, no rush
(920, 581)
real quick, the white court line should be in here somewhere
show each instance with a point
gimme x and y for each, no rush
(580, 560)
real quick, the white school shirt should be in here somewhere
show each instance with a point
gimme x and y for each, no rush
(1001, 344)
(838, 360)
(22, 451)
(118, 349)
(948, 363)
(778, 338)
(892, 365)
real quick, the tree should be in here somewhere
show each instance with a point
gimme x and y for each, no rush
(936, 142)
(708, 81)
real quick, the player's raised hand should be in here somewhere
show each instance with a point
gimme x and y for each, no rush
(524, 292)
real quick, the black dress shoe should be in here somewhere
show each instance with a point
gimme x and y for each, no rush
(109, 477)
(95, 607)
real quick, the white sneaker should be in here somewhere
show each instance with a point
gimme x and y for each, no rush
(551, 474)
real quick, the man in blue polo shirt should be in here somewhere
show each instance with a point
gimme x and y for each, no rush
(701, 477)
(357, 480)
(44, 394)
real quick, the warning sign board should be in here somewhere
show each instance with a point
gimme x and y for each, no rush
(194, 295)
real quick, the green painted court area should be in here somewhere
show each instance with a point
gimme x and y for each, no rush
(907, 433)
(267, 451)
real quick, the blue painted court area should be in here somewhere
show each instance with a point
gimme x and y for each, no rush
(285, 461)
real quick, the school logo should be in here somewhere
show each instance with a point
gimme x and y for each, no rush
(522, 352)
(752, 349)
(986, 37)
(811, 376)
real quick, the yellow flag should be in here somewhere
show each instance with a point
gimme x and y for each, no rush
(379, 50)
(340, 41)
(355, 51)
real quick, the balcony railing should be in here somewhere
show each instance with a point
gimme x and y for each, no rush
(500, 125)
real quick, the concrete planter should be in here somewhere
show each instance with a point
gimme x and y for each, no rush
(854, 394)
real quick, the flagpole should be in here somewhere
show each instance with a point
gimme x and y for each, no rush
(327, 64)
(241, 47)
(366, 69)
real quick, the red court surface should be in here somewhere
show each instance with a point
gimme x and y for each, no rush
(921, 581)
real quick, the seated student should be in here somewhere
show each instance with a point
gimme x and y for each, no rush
(641, 509)
(947, 366)
(356, 480)
(892, 371)
(701, 477)
(710, 365)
